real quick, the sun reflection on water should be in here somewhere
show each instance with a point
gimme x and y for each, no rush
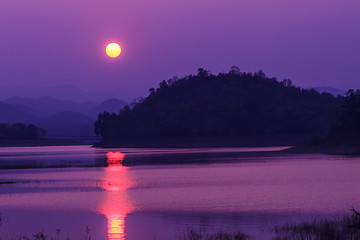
(115, 159)
(116, 226)
(116, 204)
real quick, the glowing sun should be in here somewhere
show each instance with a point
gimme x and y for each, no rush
(113, 50)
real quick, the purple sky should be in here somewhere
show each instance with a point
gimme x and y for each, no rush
(47, 43)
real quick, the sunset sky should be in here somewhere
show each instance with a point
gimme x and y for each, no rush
(48, 43)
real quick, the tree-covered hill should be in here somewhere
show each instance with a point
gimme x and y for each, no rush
(228, 104)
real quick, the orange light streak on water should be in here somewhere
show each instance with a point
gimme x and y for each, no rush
(116, 226)
(115, 158)
(116, 204)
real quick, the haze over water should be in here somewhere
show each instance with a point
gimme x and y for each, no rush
(235, 191)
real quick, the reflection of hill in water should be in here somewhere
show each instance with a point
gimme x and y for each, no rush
(139, 156)
(85, 156)
(116, 205)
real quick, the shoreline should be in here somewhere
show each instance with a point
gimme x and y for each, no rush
(203, 142)
(296, 146)
(348, 150)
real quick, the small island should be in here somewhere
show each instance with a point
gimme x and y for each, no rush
(229, 109)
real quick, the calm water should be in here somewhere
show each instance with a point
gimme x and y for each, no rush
(133, 194)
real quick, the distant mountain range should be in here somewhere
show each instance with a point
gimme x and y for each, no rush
(45, 106)
(61, 118)
(10, 114)
(66, 110)
(334, 91)
(63, 92)
(68, 124)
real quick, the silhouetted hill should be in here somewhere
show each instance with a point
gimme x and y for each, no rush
(63, 92)
(11, 114)
(231, 104)
(60, 125)
(69, 117)
(58, 117)
(111, 105)
(68, 124)
(45, 106)
(334, 91)
(344, 134)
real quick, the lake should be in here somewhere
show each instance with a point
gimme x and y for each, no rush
(161, 193)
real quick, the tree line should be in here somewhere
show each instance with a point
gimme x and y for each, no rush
(347, 128)
(20, 131)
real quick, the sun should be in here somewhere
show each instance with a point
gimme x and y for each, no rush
(113, 50)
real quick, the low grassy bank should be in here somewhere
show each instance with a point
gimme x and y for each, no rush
(42, 235)
(193, 234)
(344, 228)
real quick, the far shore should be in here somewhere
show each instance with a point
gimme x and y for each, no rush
(297, 143)
(203, 142)
(44, 142)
